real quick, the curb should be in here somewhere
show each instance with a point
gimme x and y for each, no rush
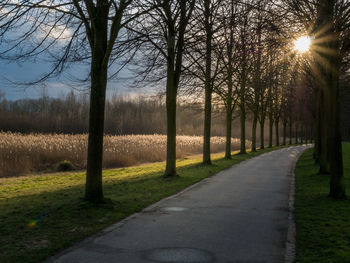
(290, 253)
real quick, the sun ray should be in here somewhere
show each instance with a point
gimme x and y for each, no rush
(325, 50)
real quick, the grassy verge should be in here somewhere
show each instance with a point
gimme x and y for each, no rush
(323, 224)
(41, 214)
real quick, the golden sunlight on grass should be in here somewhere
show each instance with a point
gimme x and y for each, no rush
(302, 44)
(21, 154)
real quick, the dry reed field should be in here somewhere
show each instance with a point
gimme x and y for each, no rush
(21, 154)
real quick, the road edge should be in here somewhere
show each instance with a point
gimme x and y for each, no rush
(290, 252)
(56, 255)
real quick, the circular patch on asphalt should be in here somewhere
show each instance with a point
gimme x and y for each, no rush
(180, 254)
(173, 209)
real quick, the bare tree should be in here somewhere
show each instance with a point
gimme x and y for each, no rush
(244, 42)
(261, 21)
(287, 105)
(227, 52)
(204, 65)
(271, 82)
(68, 32)
(161, 33)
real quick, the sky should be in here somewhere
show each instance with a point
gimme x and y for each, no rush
(56, 87)
(15, 72)
(28, 71)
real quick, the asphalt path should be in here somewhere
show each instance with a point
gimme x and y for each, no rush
(239, 215)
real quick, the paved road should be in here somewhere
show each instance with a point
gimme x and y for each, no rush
(239, 215)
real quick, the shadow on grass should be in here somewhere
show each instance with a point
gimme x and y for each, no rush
(322, 222)
(33, 226)
(36, 225)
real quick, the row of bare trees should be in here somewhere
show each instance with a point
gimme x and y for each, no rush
(237, 52)
(327, 21)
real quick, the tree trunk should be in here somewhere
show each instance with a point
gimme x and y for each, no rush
(228, 125)
(207, 86)
(324, 80)
(171, 92)
(302, 135)
(270, 132)
(290, 132)
(277, 133)
(335, 157)
(296, 134)
(255, 122)
(93, 186)
(306, 135)
(312, 136)
(337, 186)
(262, 135)
(312, 132)
(328, 39)
(318, 130)
(284, 133)
(175, 47)
(243, 149)
(207, 125)
(323, 146)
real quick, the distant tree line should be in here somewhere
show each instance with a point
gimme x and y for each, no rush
(124, 115)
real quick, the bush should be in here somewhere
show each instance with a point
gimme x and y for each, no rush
(65, 166)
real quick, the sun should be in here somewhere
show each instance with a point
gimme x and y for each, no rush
(302, 44)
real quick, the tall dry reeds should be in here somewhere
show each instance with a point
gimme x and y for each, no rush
(20, 154)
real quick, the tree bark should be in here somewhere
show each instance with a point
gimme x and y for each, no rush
(171, 94)
(93, 186)
(332, 72)
(284, 133)
(170, 169)
(228, 132)
(255, 122)
(175, 48)
(324, 165)
(228, 104)
(290, 132)
(302, 135)
(306, 134)
(242, 92)
(337, 186)
(243, 117)
(270, 132)
(262, 135)
(257, 85)
(207, 124)
(277, 133)
(318, 130)
(207, 86)
(228, 121)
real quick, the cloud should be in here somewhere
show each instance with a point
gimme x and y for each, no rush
(57, 32)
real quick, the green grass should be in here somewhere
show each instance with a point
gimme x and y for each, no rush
(323, 224)
(42, 214)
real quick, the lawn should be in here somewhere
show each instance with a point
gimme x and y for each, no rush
(42, 214)
(323, 224)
